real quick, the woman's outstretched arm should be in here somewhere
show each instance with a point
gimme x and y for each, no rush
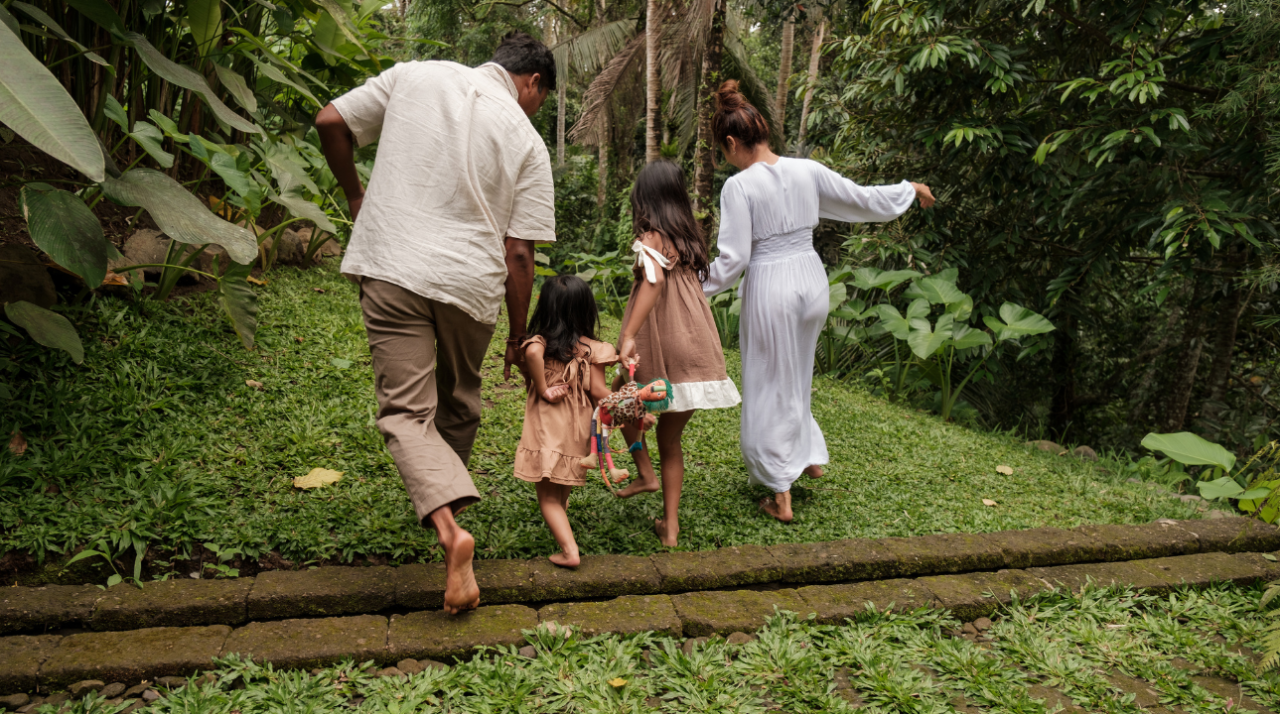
(734, 240)
(843, 200)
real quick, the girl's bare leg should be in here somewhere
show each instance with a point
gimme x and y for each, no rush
(647, 481)
(779, 506)
(552, 498)
(671, 456)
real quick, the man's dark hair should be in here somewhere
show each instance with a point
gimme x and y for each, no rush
(521, 53)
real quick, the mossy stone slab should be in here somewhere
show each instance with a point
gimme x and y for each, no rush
(173, 603)
(20, 660)
(712, 569)
(1267, 567)
(1039, 547)
(627, 615)
(836, 603)
(972, 595)
(439, 635)
(308, 643)
(596, 576)
(504, 581)
(724, 612)
(420, 586)
(1234, 535)
(1136, 542)
(1075, 577)
(335, 590)
(836, 561)
(134, 655)
(944, 553)
(25, 609)
(1202, 569)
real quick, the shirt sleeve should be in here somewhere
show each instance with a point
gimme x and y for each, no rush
(364, 107)
(533, 211)
(734, 240)
(843, 200)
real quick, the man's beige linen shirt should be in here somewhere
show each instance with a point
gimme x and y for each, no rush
(459, 168)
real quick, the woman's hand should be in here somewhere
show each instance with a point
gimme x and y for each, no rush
(924, 194)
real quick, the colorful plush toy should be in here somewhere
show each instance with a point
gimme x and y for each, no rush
(625, 407)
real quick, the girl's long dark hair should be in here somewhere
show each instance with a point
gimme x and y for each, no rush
(566, 312)
(660, 202)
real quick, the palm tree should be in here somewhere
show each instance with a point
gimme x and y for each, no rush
(784, 73)
(812, 80)
(652, 149)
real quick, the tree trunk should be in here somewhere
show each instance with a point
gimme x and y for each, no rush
(602, 191)
(652, 149)
(1183, 379)
(815, 55)
(560, 102)
(1061, 410)
(784, 73)
(704, 153)
(1224, 343)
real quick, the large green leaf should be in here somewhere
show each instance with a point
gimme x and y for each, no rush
(964, 337)
(893, 321)
(39, 16)
(113, 111)
(61, 225)
(1224, 487)
(238, 88)
(872, 278)
(101, 13)
(188, 78)
(936, 289)
(10, 22)
(1018, 322)
(151, 140)
(273, 73)
(180, 214)
(1187, 448)
(239, 302)
(34, 104)
(344, 22)
(204, 17)
(46, 327)
(837, 293)
(225, 166)
(924, 342)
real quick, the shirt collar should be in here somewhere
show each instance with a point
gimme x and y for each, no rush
(500, 74)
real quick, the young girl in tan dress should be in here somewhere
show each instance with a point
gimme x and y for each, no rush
(668, 330)
(567, 369)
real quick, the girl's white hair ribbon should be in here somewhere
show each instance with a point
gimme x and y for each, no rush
(647, 256)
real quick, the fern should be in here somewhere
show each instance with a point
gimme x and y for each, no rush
(1271, 633)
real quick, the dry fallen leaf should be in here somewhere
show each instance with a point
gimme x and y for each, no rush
(317, 477)
(1004, 470)
(254, 383)
(254, 281)
(319, 290)
(18, 444)
(298, 339)
(617, 682)
(115, 279)
(989, 502)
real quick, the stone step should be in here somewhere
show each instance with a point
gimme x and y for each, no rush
(330, 591)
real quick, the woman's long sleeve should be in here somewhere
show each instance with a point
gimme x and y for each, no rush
(734, 240)
(843, 200)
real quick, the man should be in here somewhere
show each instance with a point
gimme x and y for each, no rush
(460, 191)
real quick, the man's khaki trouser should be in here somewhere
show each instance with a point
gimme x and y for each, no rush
(426, 365)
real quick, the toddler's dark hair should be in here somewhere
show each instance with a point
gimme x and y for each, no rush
(660, 202)
(566, 312)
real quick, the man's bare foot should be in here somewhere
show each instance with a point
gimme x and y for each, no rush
(666, 534)
(782, 513)
(813, 471)
(640, 485)
(460, 589)
(565, 560)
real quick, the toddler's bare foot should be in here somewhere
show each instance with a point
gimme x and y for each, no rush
(640, 485)
(565, 560)
(781, 512)
(813, 471)
(666, 534)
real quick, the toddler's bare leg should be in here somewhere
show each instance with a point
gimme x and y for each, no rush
(552, 498)
(647, 481)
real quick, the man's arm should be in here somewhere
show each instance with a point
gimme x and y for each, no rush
(338, 144)
(519, 291)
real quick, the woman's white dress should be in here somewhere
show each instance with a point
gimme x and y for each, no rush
(767, 217)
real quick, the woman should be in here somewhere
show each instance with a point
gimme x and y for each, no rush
(767, 214)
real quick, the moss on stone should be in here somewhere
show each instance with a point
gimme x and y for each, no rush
(420, 586)
(1268, 568)
(1039, 547)
(835, 561)
(944, 553)
(627, 615)
(335, 590)
(972, 595)
(38, 608)
(1075, 577)
(1202, 569)
(596, 576)
(135, 655)
(503, 581)
(439, 635)
(723, 568)
(303, 644)
(1233, 535)
(708, 613)
(173, 603)
(20, 660)
(1134, 542)
(836, 603)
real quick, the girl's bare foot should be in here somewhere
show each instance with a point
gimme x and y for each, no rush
(813, 471)
(666, 534)
(460, 589)
(641, 485)
(778, 510)
(565, 560)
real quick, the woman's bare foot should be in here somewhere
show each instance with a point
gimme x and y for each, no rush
(777, 508)
(565, 560)
(813, 471)
(460, 589)
(641, 485)
(667, 535)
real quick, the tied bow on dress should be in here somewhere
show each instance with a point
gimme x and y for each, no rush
(651, 260)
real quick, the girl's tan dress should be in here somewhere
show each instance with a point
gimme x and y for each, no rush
(679, 340)
(555, 436)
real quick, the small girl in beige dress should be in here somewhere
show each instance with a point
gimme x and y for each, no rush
(668, 330)
(567, 380)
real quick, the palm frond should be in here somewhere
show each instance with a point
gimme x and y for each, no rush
(587, 130)
(588, 52)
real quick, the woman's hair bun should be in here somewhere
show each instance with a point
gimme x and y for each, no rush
(728, 97)
(736, 117)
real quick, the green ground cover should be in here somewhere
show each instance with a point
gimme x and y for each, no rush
(158, 440)
(881, 663)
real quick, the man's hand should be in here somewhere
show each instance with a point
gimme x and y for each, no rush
(354, 204)
(338, 144)
(519, 288)
(515, 357)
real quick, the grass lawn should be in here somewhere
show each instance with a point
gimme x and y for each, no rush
(1077, 646)
(157, 439)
